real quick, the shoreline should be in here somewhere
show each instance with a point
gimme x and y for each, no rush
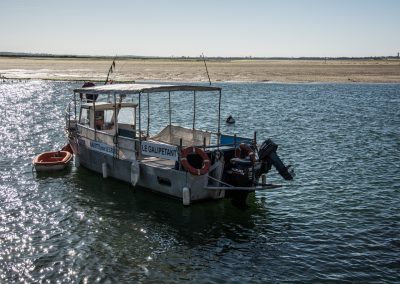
(175, 70)
(5, 80)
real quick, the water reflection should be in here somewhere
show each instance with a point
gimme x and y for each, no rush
(146, 229)
(104, 221)
(193, 225)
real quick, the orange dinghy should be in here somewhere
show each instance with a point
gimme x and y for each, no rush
(52, 161)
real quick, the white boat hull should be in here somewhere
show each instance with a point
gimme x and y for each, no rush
(164, 180)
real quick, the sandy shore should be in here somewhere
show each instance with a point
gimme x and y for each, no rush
(373, 71)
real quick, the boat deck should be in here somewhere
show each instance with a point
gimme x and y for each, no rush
(158, 162)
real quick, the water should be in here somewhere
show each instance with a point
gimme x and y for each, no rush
(338, 221)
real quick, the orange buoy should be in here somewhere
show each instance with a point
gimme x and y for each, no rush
(187, 166)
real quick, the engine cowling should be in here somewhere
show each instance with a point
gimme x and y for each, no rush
(267, 154)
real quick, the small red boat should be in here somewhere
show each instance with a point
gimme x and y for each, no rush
(52, 161)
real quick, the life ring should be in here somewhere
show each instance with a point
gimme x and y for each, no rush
(187, 166)
(243, 151)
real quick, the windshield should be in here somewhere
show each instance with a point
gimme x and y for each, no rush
(126, 115)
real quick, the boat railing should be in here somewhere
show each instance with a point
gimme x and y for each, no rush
(70, 116)
(130, 148)
(123, 147)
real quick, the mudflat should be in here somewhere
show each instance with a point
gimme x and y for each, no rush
(191, 70)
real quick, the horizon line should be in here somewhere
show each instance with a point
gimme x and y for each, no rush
(54, 55)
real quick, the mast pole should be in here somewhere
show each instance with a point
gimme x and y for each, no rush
(204, 60)
(111, 70)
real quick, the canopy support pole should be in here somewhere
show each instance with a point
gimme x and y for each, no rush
(219, 120)
(140, 130)
(75, 105)
(194, 109)
(148, 114)
(116, 127)
(94, 121)
(169, 115)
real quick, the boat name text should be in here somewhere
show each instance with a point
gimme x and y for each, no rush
(160, 150)
(101, 147)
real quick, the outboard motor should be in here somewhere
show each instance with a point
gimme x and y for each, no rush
(245, 168)
(267, 154)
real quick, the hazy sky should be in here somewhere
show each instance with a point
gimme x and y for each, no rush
(188, 28)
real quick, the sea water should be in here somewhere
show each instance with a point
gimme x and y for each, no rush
(339, 220)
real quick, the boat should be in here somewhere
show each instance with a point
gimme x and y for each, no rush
(109, 136)
(52, 161)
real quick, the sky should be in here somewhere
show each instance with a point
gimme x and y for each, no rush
(265, 28)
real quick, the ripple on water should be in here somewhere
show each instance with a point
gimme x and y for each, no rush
(337, 222)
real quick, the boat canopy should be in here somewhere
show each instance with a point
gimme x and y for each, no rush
(125, 89)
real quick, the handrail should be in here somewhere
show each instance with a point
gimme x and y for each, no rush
(68, 114)
(137, 131)
(107, 134)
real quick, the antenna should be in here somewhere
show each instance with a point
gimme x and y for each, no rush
(206, 68)
(111, 70)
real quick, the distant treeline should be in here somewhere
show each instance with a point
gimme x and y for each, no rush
(66, 56)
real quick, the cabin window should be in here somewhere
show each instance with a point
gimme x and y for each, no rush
(126, 115)
(84, 119)
(108, 119)
(99, 119)
(104, 119)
